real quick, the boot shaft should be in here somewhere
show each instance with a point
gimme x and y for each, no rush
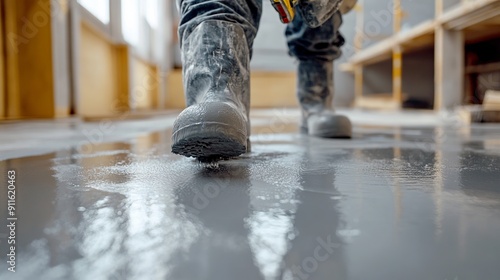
(216, 61)
(315, 85)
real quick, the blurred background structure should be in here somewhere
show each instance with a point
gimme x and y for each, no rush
(97, 59)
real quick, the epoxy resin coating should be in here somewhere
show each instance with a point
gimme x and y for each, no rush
(394, 202)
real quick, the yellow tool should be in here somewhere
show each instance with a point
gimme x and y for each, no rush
(285, 8)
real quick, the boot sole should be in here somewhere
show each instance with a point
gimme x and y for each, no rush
(343, 133)
(209, 142)
(337, 126)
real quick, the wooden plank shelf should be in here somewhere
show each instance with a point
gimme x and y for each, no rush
(377, 102)
(417, 38)
(469, 14)
(484, 68)
(446, 33)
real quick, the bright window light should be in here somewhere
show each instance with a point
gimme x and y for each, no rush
(152, 13)
(100, 9)
(131, 21)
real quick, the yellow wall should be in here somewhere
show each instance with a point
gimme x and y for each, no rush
(13, 94)
(273, 89)
(29, 77)
(175, 93)
(146, 85)
(2, 65)
(268, 90)
(103, 75)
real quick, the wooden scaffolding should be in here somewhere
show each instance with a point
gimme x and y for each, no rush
(447, 33)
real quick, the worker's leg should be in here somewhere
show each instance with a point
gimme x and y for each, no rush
(216, 40)
(316, 48)
(242, 13)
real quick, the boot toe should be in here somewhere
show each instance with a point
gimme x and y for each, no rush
(210, 131)
(329, 126)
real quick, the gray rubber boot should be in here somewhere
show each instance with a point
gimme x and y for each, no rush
(315, 93)
(215, 126)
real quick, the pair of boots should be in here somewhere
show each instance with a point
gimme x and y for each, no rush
(215, 125)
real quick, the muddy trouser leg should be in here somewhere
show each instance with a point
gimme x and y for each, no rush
(317, 12)
(315, 38)
(244, 13)
(216, 41)
(316, 41)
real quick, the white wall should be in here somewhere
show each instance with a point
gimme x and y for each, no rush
(270, 48)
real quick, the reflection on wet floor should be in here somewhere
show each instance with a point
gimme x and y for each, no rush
(393, 203)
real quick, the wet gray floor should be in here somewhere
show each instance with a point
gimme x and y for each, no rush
(396, 202)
